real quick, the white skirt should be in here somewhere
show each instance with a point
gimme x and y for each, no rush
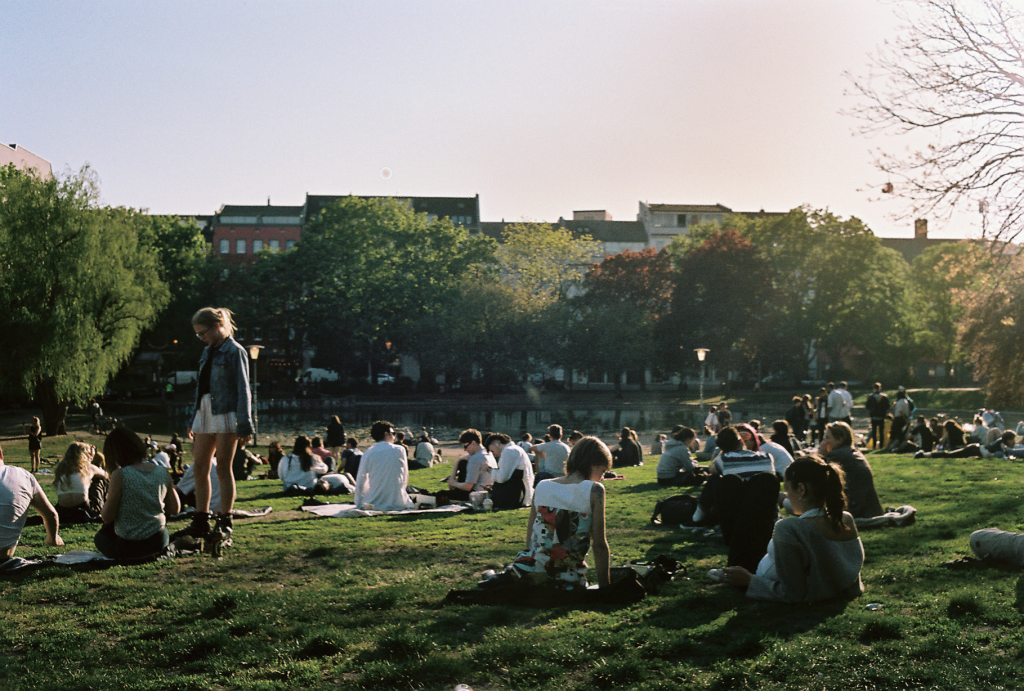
(205, 422)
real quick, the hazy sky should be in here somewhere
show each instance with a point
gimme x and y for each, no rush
(539, 107)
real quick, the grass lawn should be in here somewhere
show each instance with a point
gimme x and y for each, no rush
(301, 602)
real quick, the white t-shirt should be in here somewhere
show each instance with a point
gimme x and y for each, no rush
(382, 479)
(780, 457)
(290, 471)
(338, 483)
(513, 458)
(161, 459)
(17, 487)
(187, 483)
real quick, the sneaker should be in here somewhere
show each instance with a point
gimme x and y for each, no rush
(187, 543)
(718, 575)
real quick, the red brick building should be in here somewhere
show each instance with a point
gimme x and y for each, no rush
(239, 233)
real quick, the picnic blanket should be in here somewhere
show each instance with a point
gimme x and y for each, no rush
(236, 513)
(350, 511)
(84, 558)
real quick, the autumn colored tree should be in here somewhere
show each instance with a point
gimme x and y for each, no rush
(613, 315)
(722, 300)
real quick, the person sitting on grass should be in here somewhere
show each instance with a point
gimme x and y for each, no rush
(244, 462)
(351, 457)
(814, 556)
(73, 479)
(423, 457)
(676, 466)
(383, 477)
(274, 455)
(996, 444)
(324, 454)
(480, 467)
(551, 455)
(628, 451)
(513, 480)
(837, 447)
(300, 469)
(140, 498)
(566, 519)
(18, 491)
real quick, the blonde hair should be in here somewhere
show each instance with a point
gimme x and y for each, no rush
(215, 316)
(75, 462)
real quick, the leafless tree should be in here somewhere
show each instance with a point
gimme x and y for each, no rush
(956, 74)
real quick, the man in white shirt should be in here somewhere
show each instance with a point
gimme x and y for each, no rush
(383, 473)
(18, 491)
(513, 480)
(551, 455)
(847, 403)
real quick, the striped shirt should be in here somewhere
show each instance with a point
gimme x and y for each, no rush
(744, 463)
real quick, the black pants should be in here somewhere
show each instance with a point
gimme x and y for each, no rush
(110, 545)
(878, 433)
(748, 509)
(509, 495)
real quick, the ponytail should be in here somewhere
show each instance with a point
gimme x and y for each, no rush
(824, 481)
(835, 499)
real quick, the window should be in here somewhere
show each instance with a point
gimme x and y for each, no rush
(239, 246)
(225, 246)
(695, 219)
(289, 244)
(275, 244)
(681, 220)
(257, 246)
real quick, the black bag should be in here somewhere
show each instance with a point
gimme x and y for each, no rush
(675, 510)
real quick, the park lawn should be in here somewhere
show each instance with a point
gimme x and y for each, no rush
(301, 602)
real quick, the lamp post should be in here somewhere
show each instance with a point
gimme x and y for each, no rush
(701, 354)
(254, 355)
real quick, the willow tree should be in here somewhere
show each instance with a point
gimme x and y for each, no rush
(77, 288)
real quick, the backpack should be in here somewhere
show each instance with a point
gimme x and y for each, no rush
(675, 510)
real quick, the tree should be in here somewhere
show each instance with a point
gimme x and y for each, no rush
(942, 279)
(368, 270)
(955, 74)
(834, 289)
(614, 314)
(992, 330)
(544, 261)
(77, 288)
(721, 300)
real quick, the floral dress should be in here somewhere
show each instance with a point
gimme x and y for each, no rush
(560, 537)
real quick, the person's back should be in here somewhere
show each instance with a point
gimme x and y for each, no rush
(629, 453)
(383, 473)
(424, 455)
(744, 463)
(17, 487)
(555, 454)
(141, 511)
(675, 459)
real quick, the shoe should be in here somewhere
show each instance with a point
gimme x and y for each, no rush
(718, 575)
(198, 528)
(187, 543)
(225, 524)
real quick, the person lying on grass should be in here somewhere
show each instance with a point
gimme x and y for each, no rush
(19, 490)
(140, 498)
(816, 555)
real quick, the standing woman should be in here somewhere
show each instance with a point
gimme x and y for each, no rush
(223, 416)
(35, 442)
(335, 438)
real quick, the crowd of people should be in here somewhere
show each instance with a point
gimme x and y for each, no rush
(806, 464)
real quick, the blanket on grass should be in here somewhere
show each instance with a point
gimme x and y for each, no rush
(236, 513)
(85, 559)
(350, 511)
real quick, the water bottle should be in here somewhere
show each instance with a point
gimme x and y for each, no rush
(488, 504)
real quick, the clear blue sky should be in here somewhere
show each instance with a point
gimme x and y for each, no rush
(540, 107)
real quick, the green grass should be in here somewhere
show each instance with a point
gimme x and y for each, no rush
(301, 602)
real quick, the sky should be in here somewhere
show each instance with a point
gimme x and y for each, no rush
(541, 108)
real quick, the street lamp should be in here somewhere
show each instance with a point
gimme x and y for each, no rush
(701, 354)
(254, 355)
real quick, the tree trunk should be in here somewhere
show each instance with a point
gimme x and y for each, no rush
(54, 410)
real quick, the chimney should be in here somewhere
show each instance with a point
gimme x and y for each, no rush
(921, 229)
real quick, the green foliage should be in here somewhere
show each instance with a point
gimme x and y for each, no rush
(836, 290)
(79, 284)
(544, 261)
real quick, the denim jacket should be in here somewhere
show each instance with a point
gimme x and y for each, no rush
(229, 383)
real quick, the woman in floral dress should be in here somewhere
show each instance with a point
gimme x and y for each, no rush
(566, 519)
